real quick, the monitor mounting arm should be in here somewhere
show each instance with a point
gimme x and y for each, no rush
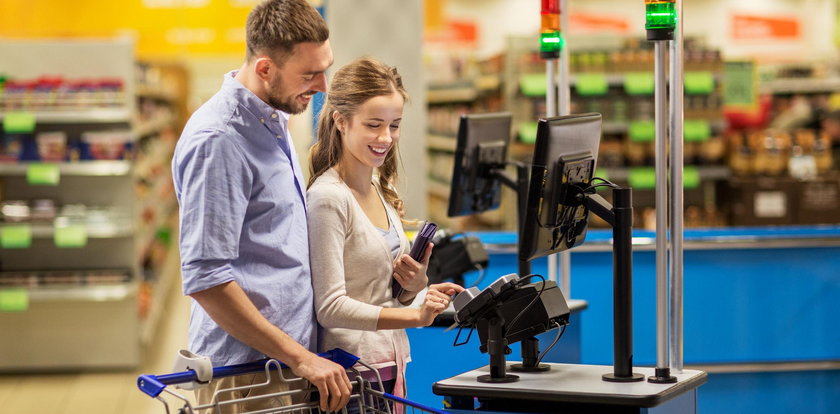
(620, 216)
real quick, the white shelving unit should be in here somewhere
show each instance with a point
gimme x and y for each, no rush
(73, 323)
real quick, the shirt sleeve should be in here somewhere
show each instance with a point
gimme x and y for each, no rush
(328, 224)
(213, 185)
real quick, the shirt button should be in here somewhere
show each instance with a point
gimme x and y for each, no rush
(262, 120)
(274, 115)
(280, 136)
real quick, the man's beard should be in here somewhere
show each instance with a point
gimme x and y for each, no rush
(290, 105)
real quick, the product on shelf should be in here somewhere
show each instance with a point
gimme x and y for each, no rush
(15, 211)
(55, 93)
(52, 146)
(106, 145)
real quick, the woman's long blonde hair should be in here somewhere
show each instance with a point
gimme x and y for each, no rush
(352, 86)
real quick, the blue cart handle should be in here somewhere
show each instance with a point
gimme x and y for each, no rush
(153, 385)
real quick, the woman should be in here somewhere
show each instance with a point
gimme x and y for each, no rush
(357, 242)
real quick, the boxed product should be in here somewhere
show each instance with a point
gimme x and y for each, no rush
(52, 146)
(761, 201)
(105, 145)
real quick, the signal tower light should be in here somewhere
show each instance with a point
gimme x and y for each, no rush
(551, 42)
(660, 19)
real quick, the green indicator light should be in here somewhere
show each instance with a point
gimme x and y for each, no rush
(551, 42)
(660, 16)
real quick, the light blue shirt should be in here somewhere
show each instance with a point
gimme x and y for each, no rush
(243, 218)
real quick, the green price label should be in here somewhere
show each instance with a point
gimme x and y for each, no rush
(528, 132)
(691, 177)
(739, 84)
(642, 131)
(15, 236)
(73, 235)
(696, 130)
(591, 84)
(699, 83)
(19, 122)
(642, 178)
(14, 300)
(533, 84)
(43, 174)
(639, 83)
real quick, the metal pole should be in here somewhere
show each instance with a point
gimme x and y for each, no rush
(661, 116)
(550, 111)
(564, 106)
(676, 134)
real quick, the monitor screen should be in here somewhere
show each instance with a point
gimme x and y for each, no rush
(563, 165)
(481, 153)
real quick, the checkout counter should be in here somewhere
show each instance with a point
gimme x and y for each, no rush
(760, 306)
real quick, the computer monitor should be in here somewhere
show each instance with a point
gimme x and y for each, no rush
(563, 165)
(480, 154)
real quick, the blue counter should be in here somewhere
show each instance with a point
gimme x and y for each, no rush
(760, 308)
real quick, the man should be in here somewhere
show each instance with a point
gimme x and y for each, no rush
(244, 246)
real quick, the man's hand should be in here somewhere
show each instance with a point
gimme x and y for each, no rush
(330, 379)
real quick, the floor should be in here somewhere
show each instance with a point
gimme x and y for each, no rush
(101, 392)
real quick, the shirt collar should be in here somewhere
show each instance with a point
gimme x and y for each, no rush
(253, 104)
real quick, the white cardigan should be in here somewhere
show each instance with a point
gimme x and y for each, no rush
(352, 269)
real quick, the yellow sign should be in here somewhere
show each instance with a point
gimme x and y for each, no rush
(160, 27)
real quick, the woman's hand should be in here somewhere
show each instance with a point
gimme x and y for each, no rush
(410, 274)
(436, 301)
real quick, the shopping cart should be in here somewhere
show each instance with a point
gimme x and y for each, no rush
(365, 397)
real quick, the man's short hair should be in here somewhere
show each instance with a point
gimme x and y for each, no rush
(274, 27)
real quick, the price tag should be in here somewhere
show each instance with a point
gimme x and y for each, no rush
(43, 174)
(691, 177)
(739, 86)
(639, 83)
(696, 130)
(643, 178)
(15, 236)
(642, 131)
(533, 84)
(699, 83)
(19, 122)
(528, 132)
(69, 236)
(591, 84)
(14, 300)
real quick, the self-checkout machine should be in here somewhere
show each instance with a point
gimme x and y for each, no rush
(507, 309)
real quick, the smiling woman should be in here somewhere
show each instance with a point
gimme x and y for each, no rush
(357, 244)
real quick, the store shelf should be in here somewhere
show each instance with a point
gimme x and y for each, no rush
(806, 85)
(107, 231)
(441, 143)
(82, 116)
(152, 126)
(81, 168)
(438, 189)
(105, 293)
(709, 172)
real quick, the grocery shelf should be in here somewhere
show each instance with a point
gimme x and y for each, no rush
(706, 172)
(441, 143)
(805, 85)
(109, 293)
(109, 231)
(81, 168)
(81, 116)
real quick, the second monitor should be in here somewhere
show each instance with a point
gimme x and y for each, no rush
(565, 155)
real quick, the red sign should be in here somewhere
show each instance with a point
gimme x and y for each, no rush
(753, 27)
(597, 23)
